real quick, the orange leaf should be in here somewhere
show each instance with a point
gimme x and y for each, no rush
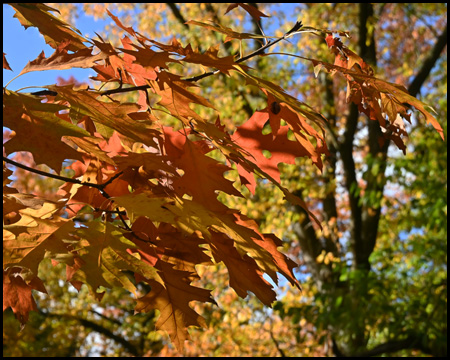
(172, 298)
(61, 59)
(249, 136)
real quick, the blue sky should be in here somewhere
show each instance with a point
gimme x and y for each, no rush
(22, 46)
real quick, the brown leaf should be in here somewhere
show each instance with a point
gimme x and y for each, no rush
(176, 98)
(231, 34)
(61, 59)
(172, 298)
(38, 129)
(245, 274)
(55, 30)
(203, 176)
(211, 59)
(5, 63)
(113, 115)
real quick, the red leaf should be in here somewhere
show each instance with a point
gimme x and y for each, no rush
(17, 296)
(249, 136)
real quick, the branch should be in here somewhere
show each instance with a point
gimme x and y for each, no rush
(53, 176)
(411, 342)
(295, 28)
(346, 151)
(124, 90)
(428, 64)
(100, 329)
(277, 345)
(100, 187)
(176, 12)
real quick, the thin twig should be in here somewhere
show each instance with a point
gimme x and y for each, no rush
(295, 29)
(43, 173)
(100, 187)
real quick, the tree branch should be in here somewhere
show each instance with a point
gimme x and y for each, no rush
(430, 61)
(295, 28)
(176, 12)
(375, 182)
(411, 342)
(100, 187)
(99, 329)
(53, 176)
(346, 151)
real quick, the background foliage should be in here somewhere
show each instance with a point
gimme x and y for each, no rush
(392, 301)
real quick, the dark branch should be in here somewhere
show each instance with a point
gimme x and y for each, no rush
(44, 92)
(277, 345)
(99, 329)
(428, 64)
(346, 151)
(43, 173)
(124, 90)
(176, 12)
(375, 184)
(412, 342)
(259, 51)
(100, 187)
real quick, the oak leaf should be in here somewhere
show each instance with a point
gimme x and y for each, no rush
(61, 59)
(17, 295)
(282, 150)
(38, 129)
(172, 299)
(55, 30)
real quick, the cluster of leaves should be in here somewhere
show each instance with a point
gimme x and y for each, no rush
(148, 187)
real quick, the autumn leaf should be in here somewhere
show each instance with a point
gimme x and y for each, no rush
(128, 29)
(244, 272)
(105, 255)
(55, 30)
(34, 241)
(113, 115)
(252, 10)
(5, 63)
(172, 299)
(202, 176)
(17, 295)
(176, 97)
(38, 129)
(61, 59)
(211, 59)
(282, 150)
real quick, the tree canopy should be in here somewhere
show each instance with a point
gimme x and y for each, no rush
(194, 160)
